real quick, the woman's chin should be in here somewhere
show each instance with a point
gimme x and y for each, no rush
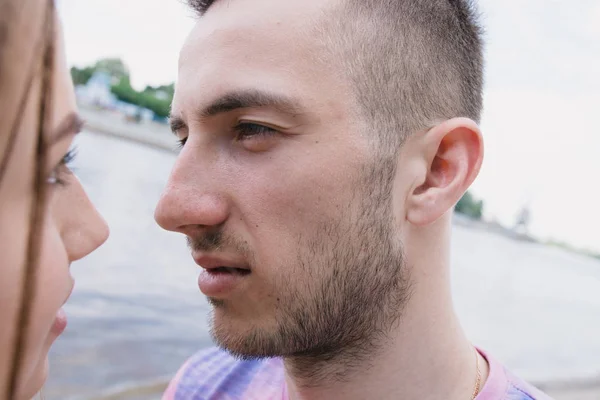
(35, 381)
(38, 374)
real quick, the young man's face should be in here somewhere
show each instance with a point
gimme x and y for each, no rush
(279, 181)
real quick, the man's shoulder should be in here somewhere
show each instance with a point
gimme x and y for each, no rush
(518, 389)
(214, 373)
(502, 384)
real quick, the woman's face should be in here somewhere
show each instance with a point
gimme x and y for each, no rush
(72, 228)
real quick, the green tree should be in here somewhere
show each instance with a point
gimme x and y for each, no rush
(169, 90)
(469, 206)
(160, 107)
(115, 67)
(81, 76)
(147, 98)
(125, 92)
(157, 99)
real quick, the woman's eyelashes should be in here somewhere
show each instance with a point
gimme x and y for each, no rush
(60, 173)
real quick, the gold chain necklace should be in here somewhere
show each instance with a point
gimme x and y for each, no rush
(478, 380)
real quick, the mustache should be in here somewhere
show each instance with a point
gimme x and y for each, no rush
(209, 241)
(215, 240)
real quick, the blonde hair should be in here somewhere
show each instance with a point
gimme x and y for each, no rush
(26, 53)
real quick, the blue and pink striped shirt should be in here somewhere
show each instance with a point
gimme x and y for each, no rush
(214, 374)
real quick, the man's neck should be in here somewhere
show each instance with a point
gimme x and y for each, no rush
(426, 357)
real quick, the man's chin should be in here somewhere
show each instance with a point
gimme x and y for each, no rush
(217, 303)
(245, 344)
(241, 351)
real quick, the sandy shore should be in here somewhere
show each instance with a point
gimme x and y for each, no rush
(114, 124)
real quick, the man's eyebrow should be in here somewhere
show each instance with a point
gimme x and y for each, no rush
(176, 123)
(251, 99)
(70, 125)
(243, 99)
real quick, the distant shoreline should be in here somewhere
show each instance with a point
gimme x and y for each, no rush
(114, 124)
(463, 220)
(487, 226)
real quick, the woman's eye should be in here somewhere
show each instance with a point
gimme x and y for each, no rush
(181, 142)
(62, 171)
(248, 130)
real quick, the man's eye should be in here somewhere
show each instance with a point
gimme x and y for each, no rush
(247, 130)
(243, 131)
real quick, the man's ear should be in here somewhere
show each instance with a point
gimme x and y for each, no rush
(453, 153)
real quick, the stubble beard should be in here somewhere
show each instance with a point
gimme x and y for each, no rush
(343, 295)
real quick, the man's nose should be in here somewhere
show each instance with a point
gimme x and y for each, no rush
(188, 203)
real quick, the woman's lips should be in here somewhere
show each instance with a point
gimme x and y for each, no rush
(60, 322)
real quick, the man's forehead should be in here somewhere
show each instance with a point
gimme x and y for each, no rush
(266, 8)
(235, 55)
(264, 45)
(237, 37)
(228, 21)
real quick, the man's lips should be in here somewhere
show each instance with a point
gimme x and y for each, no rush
(216, 264)
(221, 274)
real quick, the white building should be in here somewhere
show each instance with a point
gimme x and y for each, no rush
(96, 91)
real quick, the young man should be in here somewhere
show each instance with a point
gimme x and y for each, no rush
(325, 144)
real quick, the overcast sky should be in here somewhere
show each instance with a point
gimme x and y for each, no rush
(542, 96)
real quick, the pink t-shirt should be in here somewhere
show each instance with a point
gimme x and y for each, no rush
(214, 374)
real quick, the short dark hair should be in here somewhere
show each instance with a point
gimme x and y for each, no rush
(411, 63)
(200, 6)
